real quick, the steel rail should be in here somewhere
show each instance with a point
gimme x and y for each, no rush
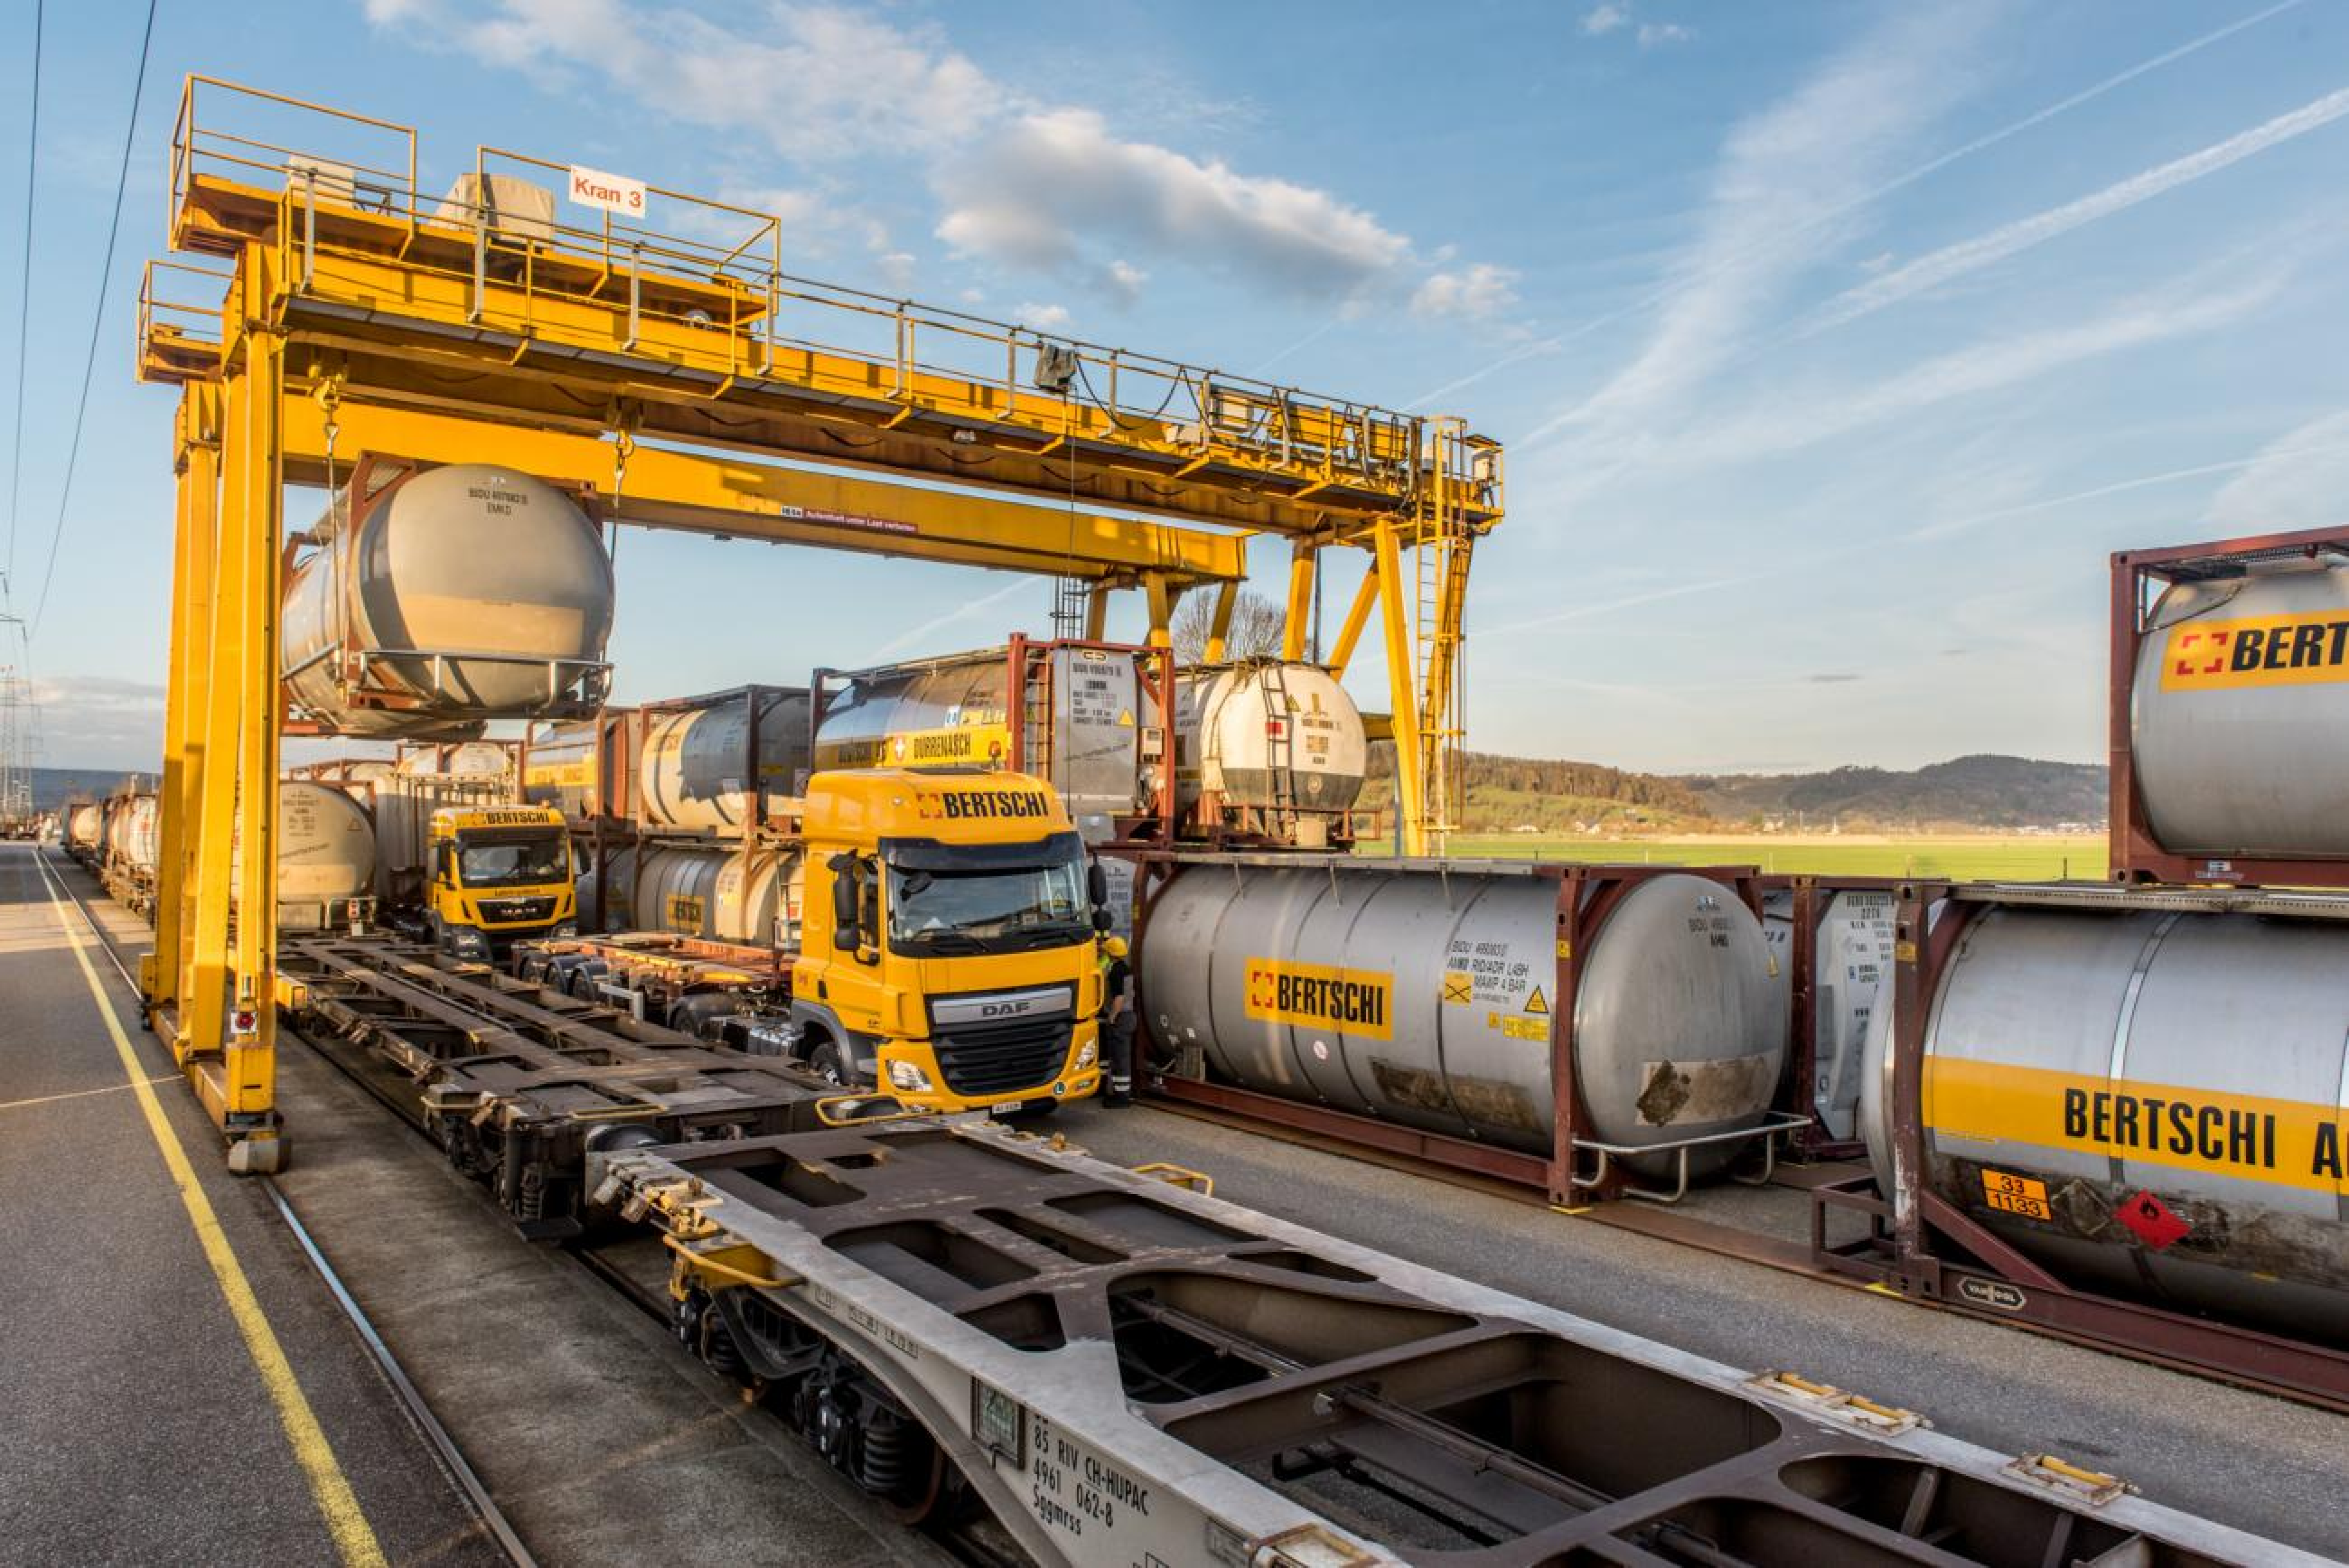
(451, 1457)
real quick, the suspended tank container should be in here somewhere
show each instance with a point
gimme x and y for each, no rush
(1449, 998)
(707, 766)
(83, 827)
(1270, 748)
(443, 598)
(2145, 1101)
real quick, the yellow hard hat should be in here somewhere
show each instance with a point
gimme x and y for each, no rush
(1113, 945)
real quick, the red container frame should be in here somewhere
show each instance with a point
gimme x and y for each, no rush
(2136, 855)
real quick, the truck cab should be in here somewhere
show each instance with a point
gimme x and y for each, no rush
(948, 954)
(497, 874)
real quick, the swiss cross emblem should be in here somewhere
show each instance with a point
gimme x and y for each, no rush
(2153, 1222)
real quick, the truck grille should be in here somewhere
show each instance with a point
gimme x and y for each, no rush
(1005, 1057)
(506, 911)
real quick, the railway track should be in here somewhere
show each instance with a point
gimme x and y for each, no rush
(635, 1269)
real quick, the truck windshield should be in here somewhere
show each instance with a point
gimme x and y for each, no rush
(484, 860)
(991, 908)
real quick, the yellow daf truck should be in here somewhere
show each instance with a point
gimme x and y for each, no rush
(954, 962)
(496, 875)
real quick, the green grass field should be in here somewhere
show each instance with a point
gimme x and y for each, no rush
(2036, 858)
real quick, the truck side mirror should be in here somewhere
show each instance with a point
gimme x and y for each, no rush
(843, 901)
(1097, 884)
(1102, 921)
(847, 939)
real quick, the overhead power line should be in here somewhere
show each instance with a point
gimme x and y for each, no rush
(98, 317)
(24, 296)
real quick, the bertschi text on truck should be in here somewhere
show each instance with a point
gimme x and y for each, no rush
(499, 875)
(957, 965)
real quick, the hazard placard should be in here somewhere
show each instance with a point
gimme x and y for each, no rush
(1537, 1003)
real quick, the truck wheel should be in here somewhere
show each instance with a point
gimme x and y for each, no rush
(830, 1063)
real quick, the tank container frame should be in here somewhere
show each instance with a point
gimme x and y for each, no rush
(1921, 1246)
(1812, 894)
(1578, 1168)
(2139, 577)
(618, 817)
(1028, 708)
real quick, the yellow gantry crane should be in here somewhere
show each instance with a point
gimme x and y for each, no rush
(646, 348)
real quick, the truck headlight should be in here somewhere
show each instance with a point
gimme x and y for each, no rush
(471, 942)
(906, 1077)
(568, 928)
(1088, 1054)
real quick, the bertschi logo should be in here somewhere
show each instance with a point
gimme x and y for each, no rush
(959, 805)
(1357, 1001)
(2256, 651)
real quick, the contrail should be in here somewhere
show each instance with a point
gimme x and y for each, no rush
(1900, 181)
(1939, 267)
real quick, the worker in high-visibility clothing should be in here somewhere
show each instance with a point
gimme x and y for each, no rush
(1117, 1022)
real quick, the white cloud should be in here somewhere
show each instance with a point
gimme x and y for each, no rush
(1786, 423)
(1043, 317)
(1786, 182)
(1480, 292)
(1020, 181)
(1684, 279)
(94, 721)
(1652, 34)
(1601, 20)
(896, 269)
(2299, 479)
(1953, 261)
(1035, 194)
(1123, 281)
(828, 83)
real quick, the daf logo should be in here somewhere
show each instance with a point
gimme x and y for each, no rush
(1992, 1293)
(1003, 1009)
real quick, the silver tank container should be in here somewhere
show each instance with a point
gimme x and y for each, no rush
(1851, 978)
(2256, 765)
(1272, 737)
(565, 767)
(1101, 754)
(326, 854)
(1426, 998)
(713, 893)
(461, 759)
(691, 773)
(2078, 1063)
(464, 585)
(133, 830)
(82, 829)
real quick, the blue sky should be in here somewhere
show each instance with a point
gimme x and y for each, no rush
(1835, 346)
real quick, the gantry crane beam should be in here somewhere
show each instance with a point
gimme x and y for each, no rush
(700, 493)
(531, 316)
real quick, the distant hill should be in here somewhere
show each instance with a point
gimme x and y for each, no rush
(53, 786)
(1984, 792)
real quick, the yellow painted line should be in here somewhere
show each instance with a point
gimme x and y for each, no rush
(354, 1537)
(84, 1093)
